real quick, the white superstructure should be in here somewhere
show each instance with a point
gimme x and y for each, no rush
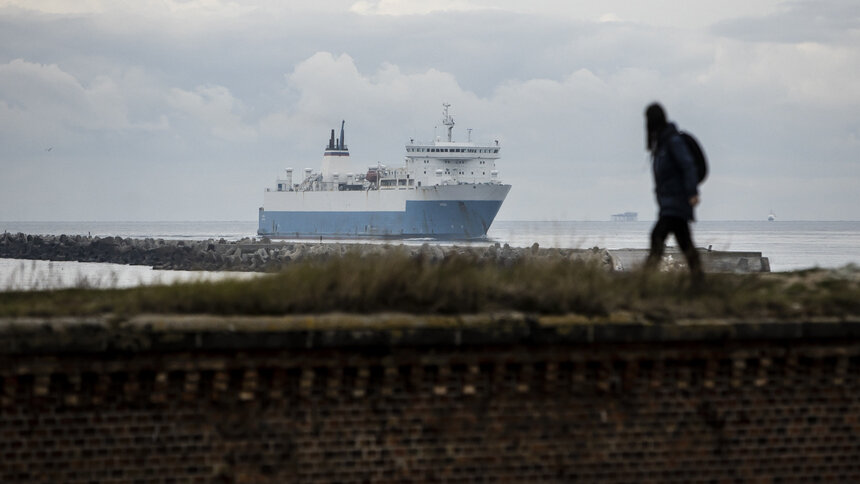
(446, 162)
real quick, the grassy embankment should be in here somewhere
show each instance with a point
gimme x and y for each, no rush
(397, 282)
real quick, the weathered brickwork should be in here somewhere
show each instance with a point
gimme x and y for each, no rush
(754, 411)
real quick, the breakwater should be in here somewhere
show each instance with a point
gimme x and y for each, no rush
(249, 254)
(253, 254)
(400, 398)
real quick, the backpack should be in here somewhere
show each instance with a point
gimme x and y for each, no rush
(698, 155)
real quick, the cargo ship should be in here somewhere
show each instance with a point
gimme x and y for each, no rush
(445, 190)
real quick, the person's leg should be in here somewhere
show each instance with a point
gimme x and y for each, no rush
(681, 229)
(658, 240)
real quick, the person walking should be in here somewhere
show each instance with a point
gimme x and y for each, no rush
(676, 188)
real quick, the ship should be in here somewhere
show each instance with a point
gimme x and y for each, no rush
(446, 189)
(625, 217)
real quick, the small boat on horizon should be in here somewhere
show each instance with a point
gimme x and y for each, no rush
(771, 216)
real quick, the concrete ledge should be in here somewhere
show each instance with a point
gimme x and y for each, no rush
(712, 260)
(167, 333)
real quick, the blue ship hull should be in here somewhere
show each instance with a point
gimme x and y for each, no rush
(457, 220)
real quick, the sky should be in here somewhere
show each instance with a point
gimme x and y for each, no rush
(172, 110)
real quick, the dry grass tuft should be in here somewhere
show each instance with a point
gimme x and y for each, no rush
(464, 284)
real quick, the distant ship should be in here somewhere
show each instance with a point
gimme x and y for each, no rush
(445, 190)
(625, 217)
(771, 217)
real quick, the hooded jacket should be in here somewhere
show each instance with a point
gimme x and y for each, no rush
(675, 180)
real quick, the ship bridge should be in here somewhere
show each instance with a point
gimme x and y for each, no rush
(452, 151)
(447, 162)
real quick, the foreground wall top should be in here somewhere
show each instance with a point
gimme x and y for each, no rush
(184, 333)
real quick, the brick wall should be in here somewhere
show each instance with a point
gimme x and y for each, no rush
(527, 407)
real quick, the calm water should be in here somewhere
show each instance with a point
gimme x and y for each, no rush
(789, 245)
(29, 275)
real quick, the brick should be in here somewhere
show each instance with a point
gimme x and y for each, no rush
(668, 412)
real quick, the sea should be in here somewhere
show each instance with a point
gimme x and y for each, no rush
(789, 245)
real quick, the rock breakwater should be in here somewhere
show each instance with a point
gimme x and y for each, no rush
(251, 254)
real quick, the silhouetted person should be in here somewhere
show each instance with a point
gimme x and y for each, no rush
(675, 184)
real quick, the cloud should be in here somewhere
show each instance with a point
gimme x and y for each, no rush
(327, 83)
(42, 96)
(57, 6)
(797, 22)
(799, 73)
(78, 7)
(410, 7)
(214, 107)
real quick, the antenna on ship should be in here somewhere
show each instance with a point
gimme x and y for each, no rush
(447, 119)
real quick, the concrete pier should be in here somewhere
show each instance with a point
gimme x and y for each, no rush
(712, 260)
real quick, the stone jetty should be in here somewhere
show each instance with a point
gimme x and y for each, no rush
(250, 254)
(264, 255)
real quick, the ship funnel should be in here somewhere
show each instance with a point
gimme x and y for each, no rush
(342, 145)
(331, 141)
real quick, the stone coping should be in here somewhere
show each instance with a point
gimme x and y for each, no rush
(170, 333)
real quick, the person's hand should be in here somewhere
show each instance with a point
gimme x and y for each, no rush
(694, 200)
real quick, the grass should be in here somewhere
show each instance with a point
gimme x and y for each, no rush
(463, 284)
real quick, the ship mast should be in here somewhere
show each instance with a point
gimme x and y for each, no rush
(447, 119)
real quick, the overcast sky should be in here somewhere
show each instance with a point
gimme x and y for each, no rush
(187, 110)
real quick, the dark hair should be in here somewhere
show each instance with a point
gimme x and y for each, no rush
(655, 118)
